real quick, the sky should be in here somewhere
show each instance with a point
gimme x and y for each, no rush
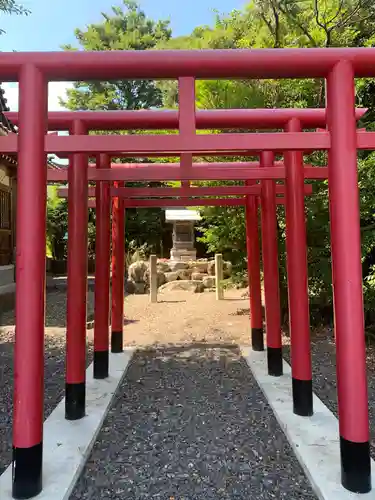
(51, 24)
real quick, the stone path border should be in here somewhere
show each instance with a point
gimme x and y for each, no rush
(68, 444)
(315, 440)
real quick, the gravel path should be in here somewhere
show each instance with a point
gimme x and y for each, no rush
(54, 365)
(190, 423)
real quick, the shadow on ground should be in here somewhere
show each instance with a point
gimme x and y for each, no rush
(55, 310)
(189, 422)
(165, 301)
(129, 321)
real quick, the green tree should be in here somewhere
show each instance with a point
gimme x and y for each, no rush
(126, 28)
(289, 23)
(57, 227)
(12, 7)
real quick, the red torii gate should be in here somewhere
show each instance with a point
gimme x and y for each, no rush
(186, 170)
(338, 66)
(302, 392)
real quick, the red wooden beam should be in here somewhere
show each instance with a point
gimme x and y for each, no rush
(168, 120)
(171, 64)
(143, 145)
(195, 174)
(197, 202)
(138, 145)
(173, 166)
(213, 164)
(173, 145)
(146, 145)
(184, 192)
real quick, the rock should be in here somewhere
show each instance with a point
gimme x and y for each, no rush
(211, 268)
(198, 276)
(227, 268)
(172, 276)
(140, 288)
(199, 266)
(161, 278)
(183, 285)
(137, 271)
(209, 282)
(163, 266)
(178, 265)
(130, 287)
(184, 274)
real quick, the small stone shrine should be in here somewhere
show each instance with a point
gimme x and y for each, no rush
(183, 220)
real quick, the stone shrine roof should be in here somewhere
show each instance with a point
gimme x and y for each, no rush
(181, 214)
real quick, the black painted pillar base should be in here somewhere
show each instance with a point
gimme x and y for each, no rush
(116, 341)
(75, 401)
(27, 464)
(275, 361)
(302, 397)
(355, 466)
(257, 339)
(101, 364)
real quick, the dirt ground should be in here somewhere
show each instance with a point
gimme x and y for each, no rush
(184, 317)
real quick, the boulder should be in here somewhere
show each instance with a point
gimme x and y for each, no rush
(227, 268)
(161, 278)
(209, 282)
(211, 268)
(178, 265)
(140, 288)
(199, 266)
(134, 288)
(184, 274)
(130, 287)
(198, 276)
(192, 286)
(172, 276)
(163, 266)
(137, 271)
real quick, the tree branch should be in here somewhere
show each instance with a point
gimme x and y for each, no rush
(294, 19)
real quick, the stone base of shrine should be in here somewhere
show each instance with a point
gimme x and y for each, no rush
(183, 255)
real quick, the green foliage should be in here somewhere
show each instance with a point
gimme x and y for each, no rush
(57, 228)
(126, 28)
(12, 7)
(145, 226)
(289, 23)
(261, 24)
